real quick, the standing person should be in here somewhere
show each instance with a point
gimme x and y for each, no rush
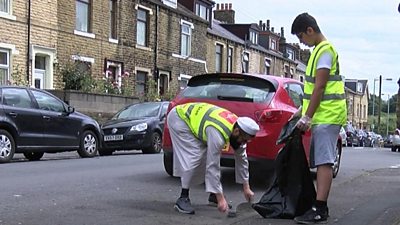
(199, 132)
(324, 110)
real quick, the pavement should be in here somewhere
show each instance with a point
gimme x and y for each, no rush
(372, 198)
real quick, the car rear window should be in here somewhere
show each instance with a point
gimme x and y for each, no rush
(230, 88)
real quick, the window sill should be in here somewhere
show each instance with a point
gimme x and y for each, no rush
(84, 34)
(8, 16)
(143, 47)
(112, 40)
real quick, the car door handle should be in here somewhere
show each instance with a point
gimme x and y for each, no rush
(13, 114)
(46, 117)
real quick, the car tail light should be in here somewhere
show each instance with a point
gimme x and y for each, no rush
(272, 116)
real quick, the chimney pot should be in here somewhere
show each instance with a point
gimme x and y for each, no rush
(222, 6)
(230, 6)
(282, 32)
(226, 6)
(272, 29)
(217, 6)
(268, 25)
(263, 27)
(260, 23)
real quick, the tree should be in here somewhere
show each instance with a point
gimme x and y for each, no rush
(398, 105)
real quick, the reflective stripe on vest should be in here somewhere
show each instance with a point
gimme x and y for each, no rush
(332, 108)
(199, 122)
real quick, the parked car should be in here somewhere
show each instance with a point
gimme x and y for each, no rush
(34, 122)
(372, 139)
(269, 100)
(362, 137)
(395, 141)
(136, 126)
(352, 138)
(343, 135)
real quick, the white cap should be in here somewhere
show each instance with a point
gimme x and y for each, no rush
(248, 125)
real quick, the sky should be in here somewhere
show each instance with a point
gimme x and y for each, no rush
(366, 33)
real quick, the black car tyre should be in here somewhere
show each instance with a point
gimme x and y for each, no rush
(393, 149)
(168, 163)
(155, 146)
(88, 144)
(7, 146)
(336, 163)
(33, 156)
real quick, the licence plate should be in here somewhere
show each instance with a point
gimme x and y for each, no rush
(118, 137)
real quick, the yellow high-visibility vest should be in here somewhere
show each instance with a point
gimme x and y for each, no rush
(198, 116)
(332, 109)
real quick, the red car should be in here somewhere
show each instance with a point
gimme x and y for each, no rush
(269, 100)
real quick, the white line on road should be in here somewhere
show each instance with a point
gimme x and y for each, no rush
(395, 166)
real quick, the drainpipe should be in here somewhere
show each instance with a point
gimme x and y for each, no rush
(156, 72)
(29, 41)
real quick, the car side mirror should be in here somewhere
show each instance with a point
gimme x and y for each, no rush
(70, 109)
(162, 117)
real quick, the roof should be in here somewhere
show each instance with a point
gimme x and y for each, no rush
(352, 85)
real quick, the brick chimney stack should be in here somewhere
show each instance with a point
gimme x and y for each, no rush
(225, 13)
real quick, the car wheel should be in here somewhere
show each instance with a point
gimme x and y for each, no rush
(393, 149)
(168, 163)
(336, 163)
(155, 146)
(88, 145)
(7, 146)
(33, 156)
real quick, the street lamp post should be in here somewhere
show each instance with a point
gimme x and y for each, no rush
(387, 123)
(380, 99)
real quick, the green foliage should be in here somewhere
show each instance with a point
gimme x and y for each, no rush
(18, 77)
(76, 79)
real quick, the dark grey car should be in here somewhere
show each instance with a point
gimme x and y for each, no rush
(34, 122)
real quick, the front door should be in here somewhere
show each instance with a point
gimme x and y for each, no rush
(38, 78)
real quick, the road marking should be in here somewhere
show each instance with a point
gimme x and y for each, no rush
(395, 166)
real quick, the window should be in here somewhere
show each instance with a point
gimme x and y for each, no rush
(202, 11)
(183, 81)
(4, 66)
(141, 78)
(254, 37)
(83, 67)
(267, 63)
(171, 3)
(359, 87)
(114, 73)
(245, 62)
(296, 93)
(16, 97)
(142, 27)
(229, 58)
(83, 15)
(163, 83)
(218, 58)
(273, 44)
(186, 38)
(113, 19)
(290, 54)
(48, 102)
(5, 6)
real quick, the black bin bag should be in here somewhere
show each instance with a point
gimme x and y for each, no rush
(292, 192)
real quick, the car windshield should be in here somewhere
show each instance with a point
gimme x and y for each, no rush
(149, 109)
(231, 89)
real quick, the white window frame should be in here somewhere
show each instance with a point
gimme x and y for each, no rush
(273, 44)
(50, 54)
(115, 13)
(199, 8)
(87, 33)
(229, 60)
(221, 55)
(183, 77)
(8, 65)
(118, 74)
(8, 14)
(146, 23)
(254, 37)
(290, 53)
(189, 44)
(170, 3)
(161, 72)
(246, 61)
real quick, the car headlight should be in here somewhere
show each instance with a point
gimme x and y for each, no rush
(139, 127)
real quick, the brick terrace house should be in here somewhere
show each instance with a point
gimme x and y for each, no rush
(357, 102)
(148, 38)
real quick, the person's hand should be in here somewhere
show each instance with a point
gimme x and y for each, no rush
(296, 114)
(304, 123)
(222, 205)
(248, 193)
